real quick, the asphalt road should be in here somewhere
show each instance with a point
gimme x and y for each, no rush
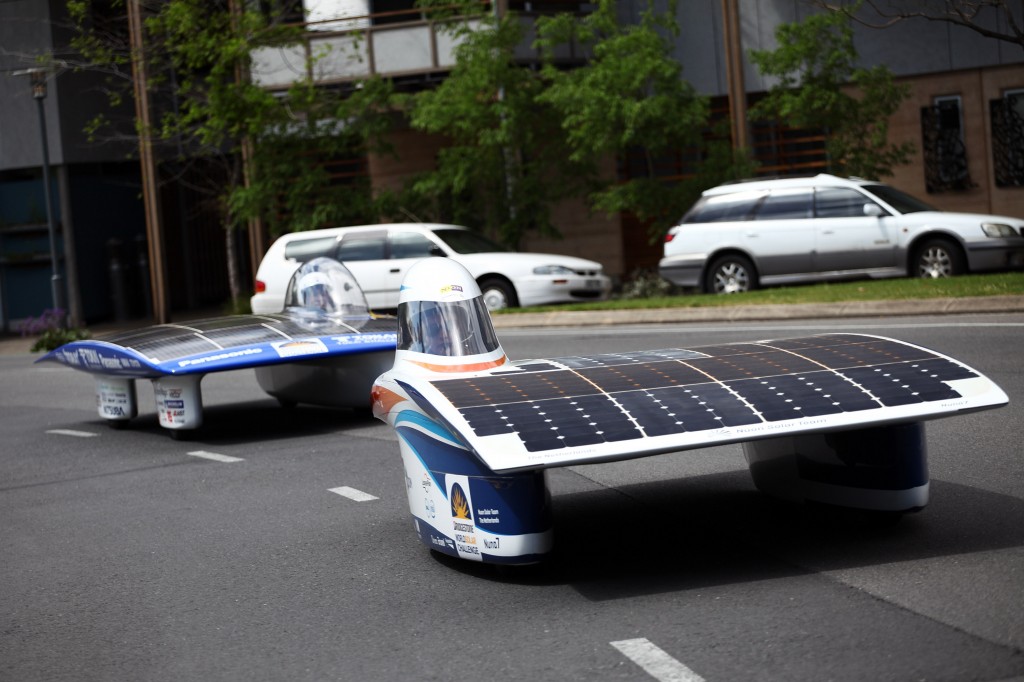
(125, 557)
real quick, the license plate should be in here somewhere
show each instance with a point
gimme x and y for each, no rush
(592, 284)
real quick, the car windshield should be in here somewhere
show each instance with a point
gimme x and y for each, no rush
(901, 201)
(451, 328)
(464, 241)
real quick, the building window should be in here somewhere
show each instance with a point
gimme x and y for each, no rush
(945, 157)
(1007, 114)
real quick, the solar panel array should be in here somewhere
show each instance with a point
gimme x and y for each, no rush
(168, 342)
(577, 401)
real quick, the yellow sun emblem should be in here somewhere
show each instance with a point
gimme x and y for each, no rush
(460, 505)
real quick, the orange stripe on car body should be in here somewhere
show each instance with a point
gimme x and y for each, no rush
(473, 367)
(383, 400)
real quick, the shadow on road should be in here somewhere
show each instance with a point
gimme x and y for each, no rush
(258, 420)
(703, 531)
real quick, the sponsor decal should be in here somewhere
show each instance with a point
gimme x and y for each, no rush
(168, 393)
(444, 543)
(220, 356)
(462, 521)
(89, 358)
(298, 348)
(460, 505)
(366, 339)
(487, 516)
(428, 506)
(451, 289)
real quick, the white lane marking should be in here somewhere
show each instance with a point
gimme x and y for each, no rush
(655, 662)
(353, 494)
(72, 432)
(215, 456)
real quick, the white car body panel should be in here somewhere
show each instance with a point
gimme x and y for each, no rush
(381, 279)
(836, 242)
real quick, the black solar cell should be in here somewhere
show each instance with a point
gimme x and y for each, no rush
(164, 343)
(605, 398)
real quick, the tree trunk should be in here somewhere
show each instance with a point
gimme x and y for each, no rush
(232, 258)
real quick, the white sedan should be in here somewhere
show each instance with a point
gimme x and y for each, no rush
(379, 256)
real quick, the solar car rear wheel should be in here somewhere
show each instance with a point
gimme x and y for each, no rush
(731, 274)
(498, 294)
(939, 258)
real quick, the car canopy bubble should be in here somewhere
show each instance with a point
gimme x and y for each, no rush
(324, 285)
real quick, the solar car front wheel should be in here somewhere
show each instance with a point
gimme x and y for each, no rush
(730, 274)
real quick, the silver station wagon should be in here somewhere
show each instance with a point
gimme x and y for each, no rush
(743, 235)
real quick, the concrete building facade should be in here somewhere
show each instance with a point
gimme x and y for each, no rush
(963, 115)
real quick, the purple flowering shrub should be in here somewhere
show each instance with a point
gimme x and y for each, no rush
(52, 330)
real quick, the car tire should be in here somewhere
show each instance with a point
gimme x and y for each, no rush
(730, 275)
(938, 258)
(498, 294)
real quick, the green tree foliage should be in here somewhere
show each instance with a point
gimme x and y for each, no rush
(820, 86)
(506, 163)
(207, 111)
(631, 98)
(525, 136)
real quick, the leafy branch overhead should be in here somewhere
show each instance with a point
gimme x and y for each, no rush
(994, 19)
(250, 151)
(506, 162)
(527, 132)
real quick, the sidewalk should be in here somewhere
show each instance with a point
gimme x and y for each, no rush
(12, 345)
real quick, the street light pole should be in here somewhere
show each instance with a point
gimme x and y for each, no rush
(38, 77)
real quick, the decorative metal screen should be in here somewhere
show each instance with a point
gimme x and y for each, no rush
(1008, 140)
(945, 157)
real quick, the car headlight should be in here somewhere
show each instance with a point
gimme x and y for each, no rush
(998, 230)
(553, 270)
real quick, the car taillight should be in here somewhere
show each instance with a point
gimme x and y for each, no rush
(260, 287)
(669, 236)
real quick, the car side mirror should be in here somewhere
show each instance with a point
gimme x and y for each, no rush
(436, 250)
(873, 210)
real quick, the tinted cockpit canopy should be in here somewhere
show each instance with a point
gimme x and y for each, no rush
(325, 285)
(450, 328)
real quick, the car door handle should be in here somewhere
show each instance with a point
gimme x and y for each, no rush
(396, 269)
(828, 231)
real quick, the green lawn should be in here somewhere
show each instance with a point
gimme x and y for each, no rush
(1001, 284)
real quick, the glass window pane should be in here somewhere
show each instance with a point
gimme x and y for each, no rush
(718, 209)
(785, 205)
(839, 202)
(410, 245)
(362, 247)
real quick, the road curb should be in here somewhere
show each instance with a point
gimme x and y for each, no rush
(929, 306)
(752, 313)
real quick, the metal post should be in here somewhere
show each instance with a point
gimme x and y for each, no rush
(38, 77)
(147, 163)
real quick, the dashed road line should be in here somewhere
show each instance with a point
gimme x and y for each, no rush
(655, 661)
(215, 456)
(72, 432)
(353, 494)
